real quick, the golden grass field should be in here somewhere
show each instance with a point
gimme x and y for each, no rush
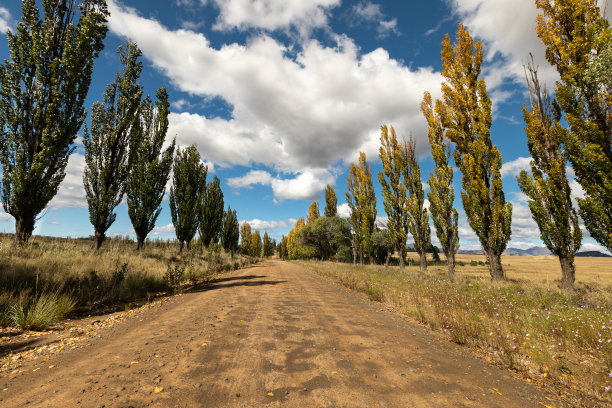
(541, 270)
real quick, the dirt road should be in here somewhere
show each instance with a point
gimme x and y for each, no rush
(272, 335)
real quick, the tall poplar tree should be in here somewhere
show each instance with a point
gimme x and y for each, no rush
(245, 238)
(465, 113)
(107, 145)
(548, 189)
(361, 199)
(211, 213)
(230, 232)
(393, 159)
(256, 244)
(331, 202)
(188, 185)
(577, 37)
(313, 212)
(418, 219)
(42, 91)
(441, 191)
(149, 166)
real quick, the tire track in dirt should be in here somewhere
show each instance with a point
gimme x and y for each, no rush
(273, 334)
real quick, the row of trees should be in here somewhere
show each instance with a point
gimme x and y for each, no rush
(578, 43)
(42, 93)
(251, 242)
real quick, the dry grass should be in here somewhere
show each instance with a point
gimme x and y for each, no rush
(60, 268)
(541, 270)
(526, 323)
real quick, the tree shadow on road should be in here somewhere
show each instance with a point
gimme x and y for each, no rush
(232, 282)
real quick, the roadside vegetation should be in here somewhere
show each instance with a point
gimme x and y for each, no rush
(523, 324)
(48, 278)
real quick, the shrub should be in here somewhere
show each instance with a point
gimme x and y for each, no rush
(37, 313)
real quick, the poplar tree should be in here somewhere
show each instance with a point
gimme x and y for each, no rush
(245, 238)
(331, 202)
(230, 233)
(149, 166)
(393, 159)
(361, 199)
(418, 219)
(106, 146)
(268, 246)
(548, 189)
(441, 191)
(256, 244)
(465, 113)
(42, 91)
(211, 213)
(313, 212)
(577, 37)
(188, 185)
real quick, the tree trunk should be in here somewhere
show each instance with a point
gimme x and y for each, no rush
(354, 248)
(388, 257)
(401, 256)
(140, 244)
(568, 271)
(99, 238)
(23, 229)
(450, 261)
(423, 258)
(182, 243)
(495, 266)
(361, 257)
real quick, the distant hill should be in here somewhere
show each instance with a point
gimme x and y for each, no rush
(592, 254)
(533, 251)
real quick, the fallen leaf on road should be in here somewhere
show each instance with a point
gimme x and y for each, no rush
(334, 372)
(497, 391)
(546, 406)
(134, 362)
(157, 390)
(270, 394)
(51, 366)
(204, 344)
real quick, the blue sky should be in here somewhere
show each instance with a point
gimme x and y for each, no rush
(280, 96)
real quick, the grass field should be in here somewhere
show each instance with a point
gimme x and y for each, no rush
(48, 278)
(526, 323)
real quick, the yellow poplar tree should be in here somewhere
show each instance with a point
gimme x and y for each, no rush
(331, 202)
(245, 238)
(418, 219)
(313, 212)
(256, 244)
(441, 191)
(394, 191)
(465, 113)
(548, 190)
(578, 38)
(361, 199)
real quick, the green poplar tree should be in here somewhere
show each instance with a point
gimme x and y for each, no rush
(42, 91)
(578, 38)
(211, 213)
(149, 166)
(188, 185)
(106, 146)
(418, 219)
(465, 114)
(331, 202)
(230, 231)
(548, 190)
(441, 191)
(393, 159)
